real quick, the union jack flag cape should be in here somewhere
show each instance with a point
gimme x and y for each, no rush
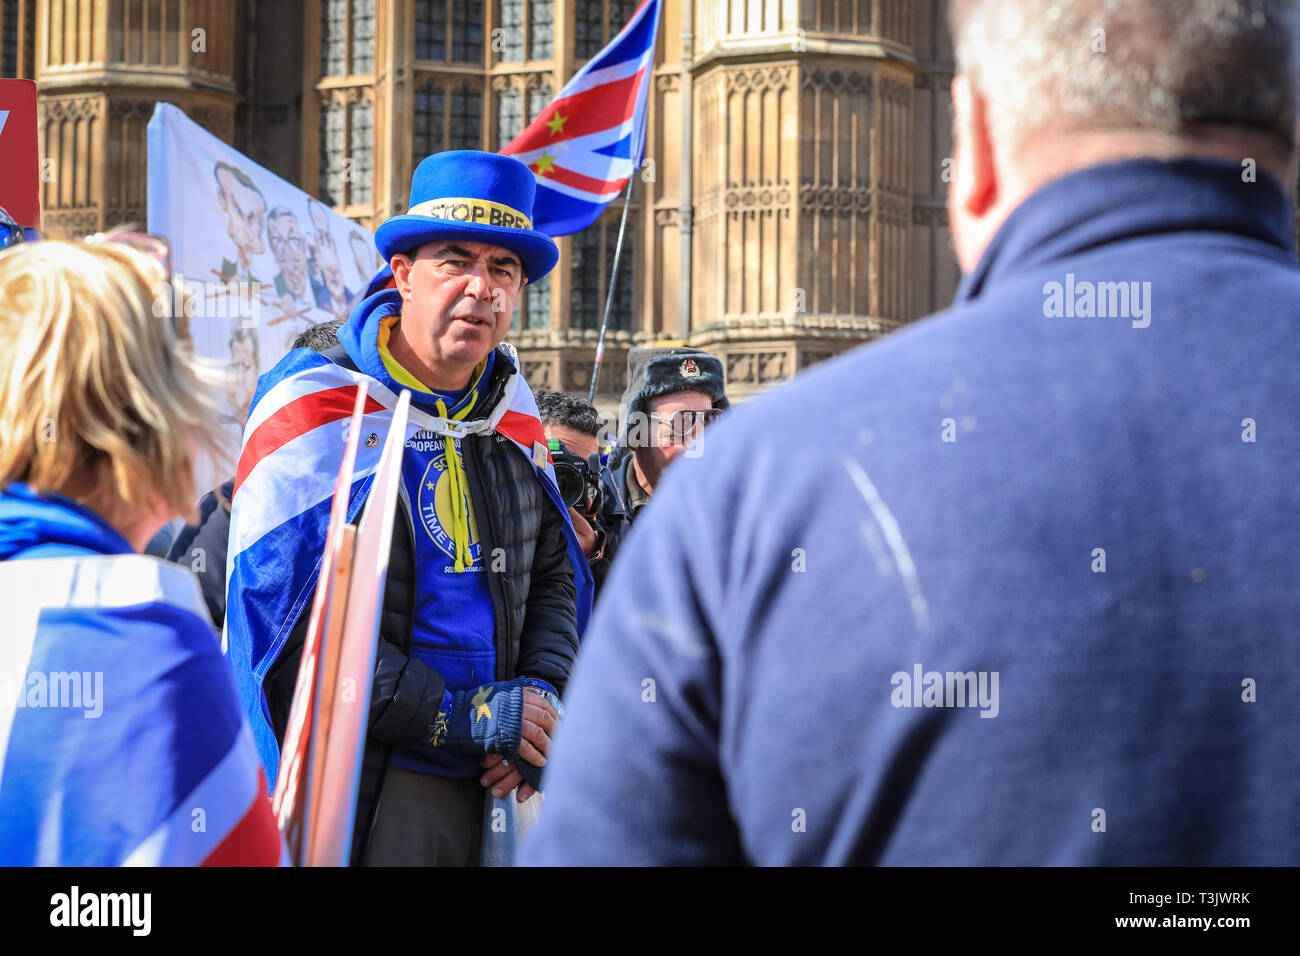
(284, 484)
(590, 140)
(157, 766)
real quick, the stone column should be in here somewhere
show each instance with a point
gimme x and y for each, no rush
(101, 65)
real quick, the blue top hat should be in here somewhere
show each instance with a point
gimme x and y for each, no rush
(472, 195)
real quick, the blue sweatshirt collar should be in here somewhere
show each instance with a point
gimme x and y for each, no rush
(52, 525)
(1131, 198)
(360, 337)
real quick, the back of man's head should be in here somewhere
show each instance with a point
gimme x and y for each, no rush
(1047, 87)
(1154, 65)
(320, 337)
(568, 411)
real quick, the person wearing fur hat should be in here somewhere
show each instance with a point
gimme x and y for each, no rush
(488, 588)
(672, 395)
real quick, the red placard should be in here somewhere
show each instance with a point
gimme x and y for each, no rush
(20, 176)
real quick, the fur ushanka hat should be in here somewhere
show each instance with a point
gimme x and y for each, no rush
(661, 371)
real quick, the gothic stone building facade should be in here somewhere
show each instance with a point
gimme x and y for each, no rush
(791, 205)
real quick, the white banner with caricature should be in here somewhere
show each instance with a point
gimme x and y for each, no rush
(258, 258)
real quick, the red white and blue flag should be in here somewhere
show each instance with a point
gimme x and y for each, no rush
(284, 489)
(123, 744)
(590, 140)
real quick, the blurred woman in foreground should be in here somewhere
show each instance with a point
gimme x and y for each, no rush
(121, 737)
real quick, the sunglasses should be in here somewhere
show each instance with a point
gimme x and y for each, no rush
(12, 234)
(686, 422)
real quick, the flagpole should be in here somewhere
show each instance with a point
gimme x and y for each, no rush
(609, 297)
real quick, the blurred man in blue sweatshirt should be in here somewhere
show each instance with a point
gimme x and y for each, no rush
(1016, 585)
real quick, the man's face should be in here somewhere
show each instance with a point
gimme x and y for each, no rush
(332, 271)
(458, 297)
(320, 220)
(364, 258)
(664, 444)
(289, 250)
(579, 443)
(245, 211)
(327, 255)
(241, 380)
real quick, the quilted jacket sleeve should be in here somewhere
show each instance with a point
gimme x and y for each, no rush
(404, 698)
(548, 645)
(406, 692)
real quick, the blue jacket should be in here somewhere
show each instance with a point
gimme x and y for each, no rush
(119, 714)
(1090, 523)
(52, 526)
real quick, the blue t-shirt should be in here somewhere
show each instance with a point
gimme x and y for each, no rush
(453, 626)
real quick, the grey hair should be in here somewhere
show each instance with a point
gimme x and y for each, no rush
(1164, 66)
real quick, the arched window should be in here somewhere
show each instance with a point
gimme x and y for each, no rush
(541, 29)
(347, 37)
(537, 304)
(593, 256)
(509, 42)
(332, 142)
(346, 152)
(449, 31)
(509, 115)
(539, 97)
(525, 30)
(596, 22)
(334, 38)
(466, 117)
(431, 29)
(428, 132)
(361, 153)
(448, 115)
(467, 32)
(363, 36)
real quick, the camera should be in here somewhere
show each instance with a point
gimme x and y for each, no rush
(578, 478)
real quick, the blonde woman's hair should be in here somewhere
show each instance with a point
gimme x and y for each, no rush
(99, 400)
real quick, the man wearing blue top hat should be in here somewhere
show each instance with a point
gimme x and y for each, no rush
(487, 588)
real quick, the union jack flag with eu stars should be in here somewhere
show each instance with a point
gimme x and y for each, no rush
(590, 140)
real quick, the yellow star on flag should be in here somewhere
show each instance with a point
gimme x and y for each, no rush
(479, 702)
(556, 123)
(545, 163)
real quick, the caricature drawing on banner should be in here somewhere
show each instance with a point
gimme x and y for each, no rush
(255, 259)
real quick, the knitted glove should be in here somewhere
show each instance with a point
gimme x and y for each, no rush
(481, 720)
(532, 773)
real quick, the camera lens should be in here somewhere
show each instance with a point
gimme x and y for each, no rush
(573, 487)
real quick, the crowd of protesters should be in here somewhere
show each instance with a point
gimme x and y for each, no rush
(473, 652)
(1081, 526)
